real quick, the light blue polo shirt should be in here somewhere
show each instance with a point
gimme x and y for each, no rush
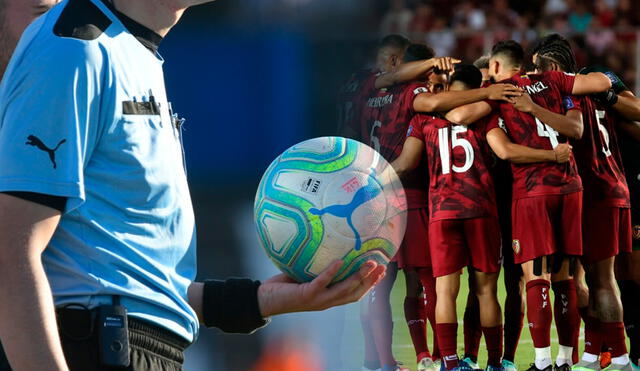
(77, 120)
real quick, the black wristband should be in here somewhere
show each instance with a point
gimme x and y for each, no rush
(607, 98)
(232, 305)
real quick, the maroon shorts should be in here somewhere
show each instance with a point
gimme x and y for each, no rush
(414, 251)
(457, 243)
(546, 225)
(606, 232)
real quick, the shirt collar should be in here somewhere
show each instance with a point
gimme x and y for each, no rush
(145, 36)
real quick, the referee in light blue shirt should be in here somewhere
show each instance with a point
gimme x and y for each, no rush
(97, 237)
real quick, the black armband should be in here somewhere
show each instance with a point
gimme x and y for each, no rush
(232, 305)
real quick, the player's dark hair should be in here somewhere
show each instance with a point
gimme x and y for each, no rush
(511, 50)
(556, 50)
(548, 40)
(467, 74)
(394, 41)
(417, 52)
(482, 62)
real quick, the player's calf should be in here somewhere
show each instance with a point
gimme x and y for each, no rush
(490, 316)
(566, 314)
(628, 276)
(414, 313)
(447, 288)
(539, 311)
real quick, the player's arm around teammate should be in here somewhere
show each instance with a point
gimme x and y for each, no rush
(505, 149)
(411, 71)
(443, 102)
(570, 124)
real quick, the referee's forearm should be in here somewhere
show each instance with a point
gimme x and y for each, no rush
(28, 328)
(27, 318)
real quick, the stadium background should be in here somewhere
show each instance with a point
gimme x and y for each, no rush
(253, 77)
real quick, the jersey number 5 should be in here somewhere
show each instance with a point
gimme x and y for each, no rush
(600, 115)
(375, 142)
(445, 156)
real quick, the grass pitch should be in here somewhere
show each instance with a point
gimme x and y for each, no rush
(402, 346)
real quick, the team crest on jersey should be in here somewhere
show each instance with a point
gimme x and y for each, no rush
(419, 90)
(636, 232)
(515, 244)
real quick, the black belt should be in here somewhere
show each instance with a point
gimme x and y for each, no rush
(79, 324)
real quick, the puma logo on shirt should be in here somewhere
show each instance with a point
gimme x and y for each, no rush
(32, 140)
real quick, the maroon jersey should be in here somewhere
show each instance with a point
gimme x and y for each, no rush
(544, 178)
(384, 119)
(353, 94)
(458, 161)
(598, 156)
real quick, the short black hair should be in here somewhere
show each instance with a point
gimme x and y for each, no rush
(511, 50)
(416, 52)
(467, 74)
(555, 49)
(394, 41)
(482, 62)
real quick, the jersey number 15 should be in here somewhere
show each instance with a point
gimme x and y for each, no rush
(445, 155)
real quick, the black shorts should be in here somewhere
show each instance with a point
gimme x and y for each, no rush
(151, 348)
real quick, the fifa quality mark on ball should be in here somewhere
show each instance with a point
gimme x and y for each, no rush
(325, 199)
(636, 232)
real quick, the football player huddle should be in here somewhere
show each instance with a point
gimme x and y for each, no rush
(516, 162)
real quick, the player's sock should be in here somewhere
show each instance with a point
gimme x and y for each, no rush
(381, 320)
(429, 286)
(447, 340)
(513, 323)
(416, 326)
(371, 364)
(630, 295)
(565, 355)
(493, 339)
(471, 328)
(592, 339)
(565, 311)
(422, 312)
(370, 354)
(539, 312)
(543, 357)
(613, 336)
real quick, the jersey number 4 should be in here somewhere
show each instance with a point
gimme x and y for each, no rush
(445, 156)
(547, 131)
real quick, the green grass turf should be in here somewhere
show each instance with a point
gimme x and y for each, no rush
(402, 346)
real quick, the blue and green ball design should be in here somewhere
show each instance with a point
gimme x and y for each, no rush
(308, 178)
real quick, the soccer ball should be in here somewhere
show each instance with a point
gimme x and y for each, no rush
(325, 199)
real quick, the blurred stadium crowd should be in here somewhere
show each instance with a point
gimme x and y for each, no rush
(603, 31)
